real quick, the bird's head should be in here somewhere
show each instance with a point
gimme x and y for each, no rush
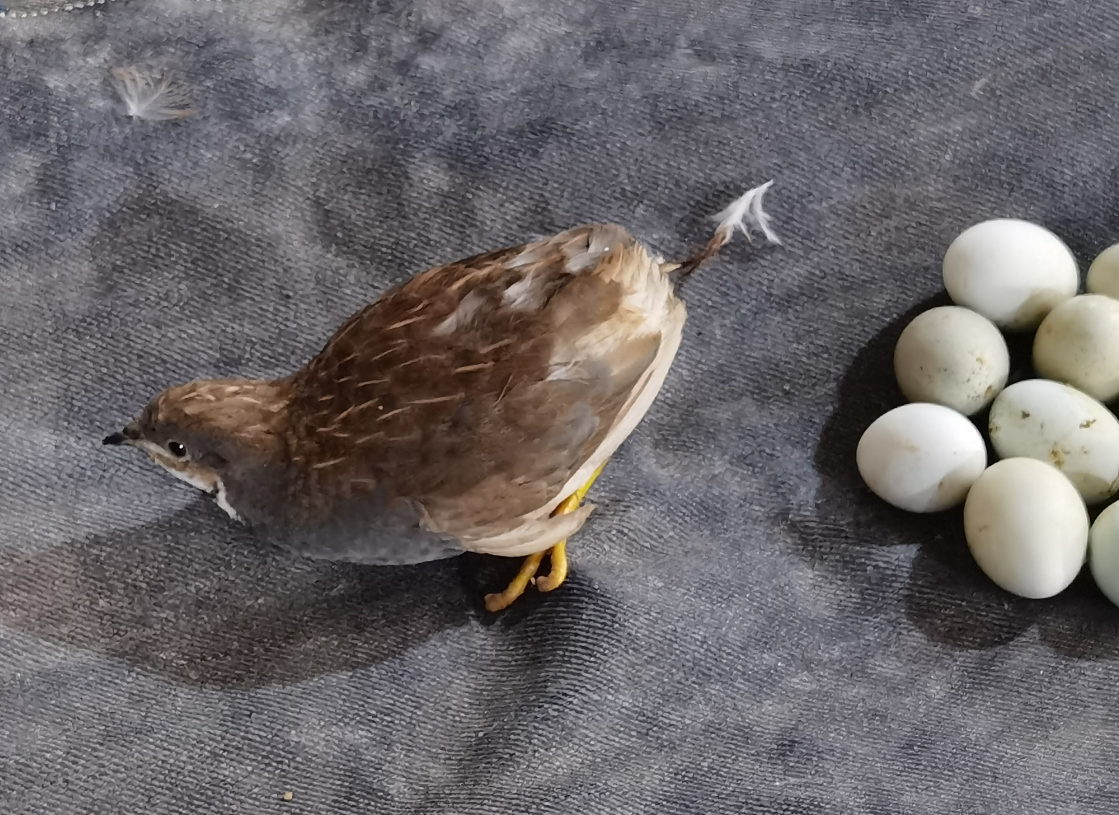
(208, 431)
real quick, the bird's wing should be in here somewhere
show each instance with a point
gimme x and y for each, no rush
(481, 390)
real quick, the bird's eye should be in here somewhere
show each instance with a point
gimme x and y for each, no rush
(177, 449)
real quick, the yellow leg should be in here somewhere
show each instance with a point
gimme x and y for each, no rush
(558, 558)
(502, 600)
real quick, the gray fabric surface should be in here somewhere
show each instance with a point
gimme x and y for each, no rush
(745, 630)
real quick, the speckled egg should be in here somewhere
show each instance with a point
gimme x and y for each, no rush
(1078, 344)
(1060, 425)
(951, 356)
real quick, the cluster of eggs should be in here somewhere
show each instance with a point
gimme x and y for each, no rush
(1026, 517)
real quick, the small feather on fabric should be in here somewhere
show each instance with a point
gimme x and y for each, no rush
(151, 94)
(747, 211)
(744, 211)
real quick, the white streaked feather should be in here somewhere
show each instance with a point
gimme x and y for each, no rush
(154, 95)
(461, 317)
(524, 295)
(746, 211)
(223, 502)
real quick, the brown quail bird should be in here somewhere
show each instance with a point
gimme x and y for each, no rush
(470, 409)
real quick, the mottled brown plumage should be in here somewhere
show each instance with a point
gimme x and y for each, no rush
(456, 412)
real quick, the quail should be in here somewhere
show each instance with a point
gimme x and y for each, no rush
(469, 409)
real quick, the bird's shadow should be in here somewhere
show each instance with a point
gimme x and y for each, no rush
(947, 598)
(203, 604)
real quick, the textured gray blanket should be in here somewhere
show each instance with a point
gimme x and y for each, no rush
(745, 629)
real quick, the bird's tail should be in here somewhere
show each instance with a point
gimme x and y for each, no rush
(743, 212)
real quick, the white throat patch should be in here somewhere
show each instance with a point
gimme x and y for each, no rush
(223, 502)
(213, 487)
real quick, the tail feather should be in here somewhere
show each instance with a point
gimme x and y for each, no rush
(744, 212)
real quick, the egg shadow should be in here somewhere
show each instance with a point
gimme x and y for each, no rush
(206, 604)
(947, 597)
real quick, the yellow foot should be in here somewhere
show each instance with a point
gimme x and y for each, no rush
(558, 556)
(502, 600)
(554, 579)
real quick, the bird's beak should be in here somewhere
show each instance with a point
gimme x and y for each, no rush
(126, 436)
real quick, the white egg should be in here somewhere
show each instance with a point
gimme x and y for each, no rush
(1060, 425)
(1026, 527)
(951, 356)
(1103, 274)
(921, 457)
(1103, 552)
(1012, 272)
(1078, 344)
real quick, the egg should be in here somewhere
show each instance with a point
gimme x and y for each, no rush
(1012, 272)
(1078, 344)
(1026, 527)
(951, 356)
(1103, 274)
(1103, 552)
(921, 457)
(1060, 425)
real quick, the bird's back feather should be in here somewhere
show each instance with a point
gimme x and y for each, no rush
(480, 391)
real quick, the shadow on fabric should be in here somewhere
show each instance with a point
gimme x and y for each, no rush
(948, 598)
(205, 604)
